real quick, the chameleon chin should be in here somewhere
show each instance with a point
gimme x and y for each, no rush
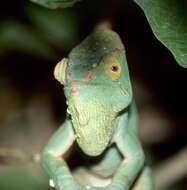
(103, 119)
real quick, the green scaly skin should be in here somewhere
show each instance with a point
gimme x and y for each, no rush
(103, 117)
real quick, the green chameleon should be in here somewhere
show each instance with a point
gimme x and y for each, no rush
(101, 117)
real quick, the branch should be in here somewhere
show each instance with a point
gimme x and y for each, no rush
(171, 170)
(12, 155)
(166, 174)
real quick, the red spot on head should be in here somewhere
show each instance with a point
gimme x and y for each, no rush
(75, 88)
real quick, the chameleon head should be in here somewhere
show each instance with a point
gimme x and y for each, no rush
(97, 87)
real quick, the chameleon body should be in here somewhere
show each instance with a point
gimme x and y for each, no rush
(101, 117)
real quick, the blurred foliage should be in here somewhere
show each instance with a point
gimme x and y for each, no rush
(168, 20)
(23, 177)
(15, 36)
(50, 31)
(53, 4)
(59, 27)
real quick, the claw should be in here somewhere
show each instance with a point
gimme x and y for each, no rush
(51, 183)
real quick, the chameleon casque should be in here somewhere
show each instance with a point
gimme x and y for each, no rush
(101, 117)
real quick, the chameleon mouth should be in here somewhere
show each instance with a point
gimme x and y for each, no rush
(93, 138)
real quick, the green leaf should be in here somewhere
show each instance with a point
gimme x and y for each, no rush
(53, 4)
(58, 27)
(15, 36)
(168, 20)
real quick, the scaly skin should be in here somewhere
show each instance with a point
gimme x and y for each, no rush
(103, 117)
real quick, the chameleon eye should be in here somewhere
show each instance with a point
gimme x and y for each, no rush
(113, 68)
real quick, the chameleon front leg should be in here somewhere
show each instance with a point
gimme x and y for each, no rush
(52, 158)
(129, 146)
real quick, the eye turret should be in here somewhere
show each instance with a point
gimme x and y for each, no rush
(112, 67)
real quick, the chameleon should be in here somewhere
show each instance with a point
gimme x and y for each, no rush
(101, 118)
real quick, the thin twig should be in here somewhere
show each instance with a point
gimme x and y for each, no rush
(14, 155)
